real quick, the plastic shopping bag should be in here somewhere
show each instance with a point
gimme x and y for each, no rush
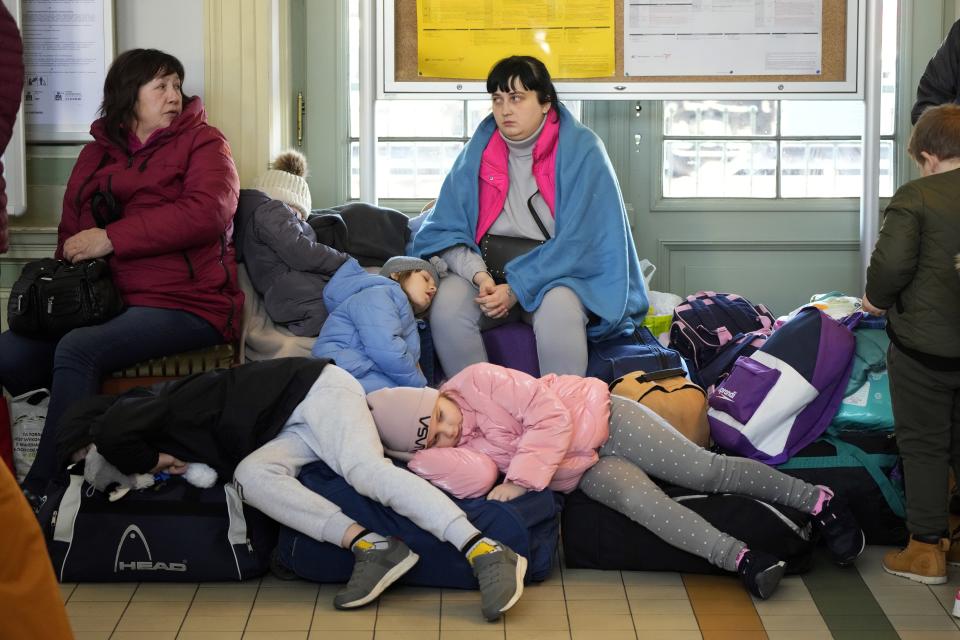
(28, 413)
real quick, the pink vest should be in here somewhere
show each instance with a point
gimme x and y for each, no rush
(495, 176)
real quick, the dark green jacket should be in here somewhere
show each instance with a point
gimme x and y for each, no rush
(912, 272)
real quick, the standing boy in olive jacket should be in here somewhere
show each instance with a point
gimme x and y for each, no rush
(912, 279)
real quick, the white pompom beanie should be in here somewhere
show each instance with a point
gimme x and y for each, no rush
(286, 187)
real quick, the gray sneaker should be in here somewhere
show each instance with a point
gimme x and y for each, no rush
(373, 571)
(500, 574)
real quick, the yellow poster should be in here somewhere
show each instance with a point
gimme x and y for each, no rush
(462, 39)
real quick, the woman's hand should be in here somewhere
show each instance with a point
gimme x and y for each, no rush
(869, 308)
(495, 300)
(166, 463)
(506, 492)
(86, 245)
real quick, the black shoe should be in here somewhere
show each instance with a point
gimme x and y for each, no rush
(760, 573)
(840, 531)
(279, 570)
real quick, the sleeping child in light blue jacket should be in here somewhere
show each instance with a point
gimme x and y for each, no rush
(372, 328)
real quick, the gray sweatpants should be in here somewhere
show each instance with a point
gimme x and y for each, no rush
(334, 424)
(560, 325)
(642, 443)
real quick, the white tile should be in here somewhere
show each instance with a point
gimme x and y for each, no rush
(923, 623)
(664, 578)
(906, 634)
(680, 622)
(791, 622)
(103, 592)
(96, 609)
(290, 622)
(164, 593)
(275, 635)
(591, 577)
(799, 635)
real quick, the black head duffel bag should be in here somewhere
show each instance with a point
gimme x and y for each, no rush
(864, 470)
(170, 532)
(597, 537)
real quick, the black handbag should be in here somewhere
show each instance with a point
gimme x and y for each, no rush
(51, 297)
(497, 251)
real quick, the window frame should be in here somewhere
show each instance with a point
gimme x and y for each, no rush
(406, 205)
(621, 146)
(902, 170)
(661, 203)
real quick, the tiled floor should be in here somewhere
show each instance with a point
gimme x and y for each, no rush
(571, 605)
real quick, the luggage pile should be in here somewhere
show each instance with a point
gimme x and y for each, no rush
(807, 393)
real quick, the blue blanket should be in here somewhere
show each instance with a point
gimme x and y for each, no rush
(592, 251)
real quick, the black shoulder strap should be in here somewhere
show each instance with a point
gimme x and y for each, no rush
(536, 218)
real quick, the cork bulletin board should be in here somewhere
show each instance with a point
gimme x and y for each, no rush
(840, 77)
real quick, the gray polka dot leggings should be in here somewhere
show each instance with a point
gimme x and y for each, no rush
(642, 444)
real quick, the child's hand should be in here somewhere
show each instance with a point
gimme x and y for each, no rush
(869, 308)
(166, 463)
(506, 492)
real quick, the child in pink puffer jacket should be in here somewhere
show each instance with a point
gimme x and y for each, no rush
(561, 432)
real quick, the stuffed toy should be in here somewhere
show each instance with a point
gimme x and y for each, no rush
(105, 477)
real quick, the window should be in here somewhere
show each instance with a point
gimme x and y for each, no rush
(418, 140)
(778, 148)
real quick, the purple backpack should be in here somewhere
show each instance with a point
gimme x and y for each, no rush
(782, 397)
(708, 320)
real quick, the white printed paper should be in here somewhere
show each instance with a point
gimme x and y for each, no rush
(63, 45)
(722, 37)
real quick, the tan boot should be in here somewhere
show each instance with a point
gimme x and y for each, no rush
(924, 562)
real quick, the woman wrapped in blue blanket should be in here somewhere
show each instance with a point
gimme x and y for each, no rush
(531, 171)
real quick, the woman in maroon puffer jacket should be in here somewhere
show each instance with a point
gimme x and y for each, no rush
(11, 89)
(164, 183)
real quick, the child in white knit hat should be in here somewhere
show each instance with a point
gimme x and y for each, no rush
(285, 263)
(373, 331)
(286, 182)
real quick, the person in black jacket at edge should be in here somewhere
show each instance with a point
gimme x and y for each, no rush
(940, 82)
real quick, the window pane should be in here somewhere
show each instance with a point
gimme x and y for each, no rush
(354, 170)
(704, 169)
(821, 118)
(830, 169)
(477, 110)
(413, 169)
(720, 118)
(353, 64)
(886, 168)
(420, 118)
(888, 67)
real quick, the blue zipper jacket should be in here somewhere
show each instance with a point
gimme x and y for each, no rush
(371, 331)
